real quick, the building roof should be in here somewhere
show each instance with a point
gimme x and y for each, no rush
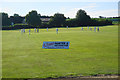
(45, 19)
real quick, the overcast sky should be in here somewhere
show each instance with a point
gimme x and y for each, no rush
(94, 8)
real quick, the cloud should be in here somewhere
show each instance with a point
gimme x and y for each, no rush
(89, 6)
(91, 10)
(7, 10)
(60, 0)
(69, 12)
(72, 12)
(105, 13)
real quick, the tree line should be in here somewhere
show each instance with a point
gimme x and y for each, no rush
(32, 19)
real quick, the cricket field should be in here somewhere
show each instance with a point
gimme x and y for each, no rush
(90, 53)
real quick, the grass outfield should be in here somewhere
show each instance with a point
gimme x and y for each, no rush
(90, 53)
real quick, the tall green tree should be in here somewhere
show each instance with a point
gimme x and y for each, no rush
(82, 18)
(57, 20)
(16, 19)
(33, 18)
(71, 22)
(5, 20)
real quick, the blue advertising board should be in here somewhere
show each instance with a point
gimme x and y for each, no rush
(56, 44)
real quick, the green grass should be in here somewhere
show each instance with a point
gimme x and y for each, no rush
(89, 53)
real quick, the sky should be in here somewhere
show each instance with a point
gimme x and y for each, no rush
(106, 8)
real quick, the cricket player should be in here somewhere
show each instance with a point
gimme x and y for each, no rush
(98, 29)
(91, 29)
(21, 30)
(24, 30)
(29, 31)
(95, 29)
(35, 29)
(67, 27)
(88, 27)
(47, 28)
(57, 30)
(81, 28)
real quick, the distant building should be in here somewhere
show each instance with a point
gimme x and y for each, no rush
(45, 19)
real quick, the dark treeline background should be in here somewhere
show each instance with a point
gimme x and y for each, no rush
(35, 20)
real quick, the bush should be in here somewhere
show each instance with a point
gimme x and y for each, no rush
(17, 26)
(71, 22)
